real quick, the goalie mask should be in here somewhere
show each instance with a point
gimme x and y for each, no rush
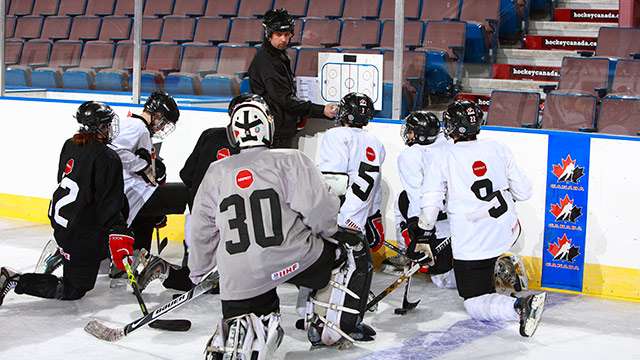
(424, 126)
(462, 120)
(98, 118)
(251, 123)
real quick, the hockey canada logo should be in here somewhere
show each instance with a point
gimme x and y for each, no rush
(566, 210)
(68, 168)
(244, 179)
(223, 153)
(564, 250)
(568, 171)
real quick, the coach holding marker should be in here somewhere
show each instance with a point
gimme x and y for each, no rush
(270, 76)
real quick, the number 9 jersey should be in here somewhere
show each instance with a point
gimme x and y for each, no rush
(480, 181)
(355, 152)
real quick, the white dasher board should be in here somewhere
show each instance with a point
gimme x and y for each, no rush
(342, 73)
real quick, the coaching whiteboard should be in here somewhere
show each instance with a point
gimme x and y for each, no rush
(342, 73)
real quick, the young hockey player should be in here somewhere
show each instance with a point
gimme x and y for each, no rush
(420, 132)
(265, 217)
(480, 181)
(87, 211)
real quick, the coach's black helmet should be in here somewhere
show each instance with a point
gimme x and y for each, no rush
(277, 20)
(356, 109)
(424, 125)
(96, 117)
(164, 113)
(462, 120)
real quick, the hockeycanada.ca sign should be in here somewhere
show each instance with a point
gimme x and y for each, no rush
(526, 72)
(587, 15)
(542, 42)
(566, 215)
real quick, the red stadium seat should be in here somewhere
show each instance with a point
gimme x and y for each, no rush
(620, 116)
(296, 8)
(569, 111)
(618, 42)
(97, 55)
(85, 28)
(9, 27)
(124, 8)
(21, 7)
(325, 8)
(440, 9)
(189, 7)
(158, 7)
(307, 64)
(321, 32)
(12, 52)
(512, 108)
(223, 8)
(100, 7)
(248, 31)
(357, 9)
(212, 30)
(234, 60)
(115, 28)
(56, 28)
(72, 7)
(178, 29)
(360, 33)
(45, 7)
(412, 34)
(28, 27)
(584, 75)
(254, 8)
(625, 81)
(388, 9)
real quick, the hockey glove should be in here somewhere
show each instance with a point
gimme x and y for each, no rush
(161, 172)
(419, 249)
(121, 246)
(413, 230)
(347, 236)
(147, 173)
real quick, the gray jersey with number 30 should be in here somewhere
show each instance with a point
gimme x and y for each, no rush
(260, 216)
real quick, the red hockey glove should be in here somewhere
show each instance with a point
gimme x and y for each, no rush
(121, 246)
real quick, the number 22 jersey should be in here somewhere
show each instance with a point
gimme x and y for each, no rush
(480, 181)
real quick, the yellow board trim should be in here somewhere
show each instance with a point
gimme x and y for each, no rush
(605, 281)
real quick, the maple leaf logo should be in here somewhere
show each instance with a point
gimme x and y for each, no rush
(568, 172)
(566, 210)
(564, 250)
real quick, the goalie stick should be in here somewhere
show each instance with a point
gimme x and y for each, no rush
(103, 332)
(169, 325)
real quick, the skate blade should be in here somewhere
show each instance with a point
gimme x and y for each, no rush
(537, 306)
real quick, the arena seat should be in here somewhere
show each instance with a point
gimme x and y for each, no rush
(325, 8)
(513, 108)
(356, 9)
(72, 7)
(295, 8)
(9, 27)
(358, 33)
(85, 28)
(584, 75)
(569, 111)
(34, 53)
(124, 7)
(307, 61)
(413, 74)
(115, 28)
(211, 30)
(246, 31)
(292, 53)
(440, 9)
(233, 62)
(254, 8)
(625, 81)
(21, 7)
(162, 58)
(96, 55)
(614, 42)
(28, 27)
(444, 43)
(56, 28)
(189, 7)
(151, 29)
(12, 52)
(223, 8)
(100, 7)
(178, 29)
(197, 61)
(116, 78)
(64, 54)
(619, 115)
(321, 33)
(388, 9)
(413, 33)
(45, 7)
(483, 21)
(158, 7)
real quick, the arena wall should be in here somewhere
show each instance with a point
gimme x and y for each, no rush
(607, 263)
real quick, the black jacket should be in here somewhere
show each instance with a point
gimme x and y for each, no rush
(270, 76)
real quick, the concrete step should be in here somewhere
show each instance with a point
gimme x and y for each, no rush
(588, 4)
(486, 86)
(563, 28)
(532, 57)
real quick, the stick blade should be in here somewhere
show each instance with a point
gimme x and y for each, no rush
(103, 332)
(171, 325)
(410, 305)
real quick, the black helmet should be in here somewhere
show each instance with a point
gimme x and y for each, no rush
(277, 20)
(159, 102)
(242, 98)
(96, 117)
(462, 119)
(356, 109)
(424, 125)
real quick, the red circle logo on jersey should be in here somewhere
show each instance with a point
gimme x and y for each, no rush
(223, 153)
(371, 155)
(244, 179)
(479, 168)
(69, 167)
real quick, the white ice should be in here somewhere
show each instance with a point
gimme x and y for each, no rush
(573, 327)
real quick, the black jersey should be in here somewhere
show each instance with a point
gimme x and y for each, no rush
(212, 145)
(89, 201)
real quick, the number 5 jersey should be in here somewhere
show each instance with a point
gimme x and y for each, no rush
(480, 181)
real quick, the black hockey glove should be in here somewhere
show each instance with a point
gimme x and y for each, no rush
(161, 172)
(347, 236)
(419, 249)
(147, 173)
(414, 231)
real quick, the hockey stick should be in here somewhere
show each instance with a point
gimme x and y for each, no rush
(160, 244)
(103, 332)
(169, 325)
(406, 304)
(404, 277)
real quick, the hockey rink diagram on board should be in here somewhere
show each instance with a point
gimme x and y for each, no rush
(341, 73)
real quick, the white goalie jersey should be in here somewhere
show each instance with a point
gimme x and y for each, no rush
(480, 181)
(358, 154)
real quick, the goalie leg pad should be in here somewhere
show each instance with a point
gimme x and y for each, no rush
(341, 305)
(245, 337)
(510, 274)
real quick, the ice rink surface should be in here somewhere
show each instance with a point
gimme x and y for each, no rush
(573, 327)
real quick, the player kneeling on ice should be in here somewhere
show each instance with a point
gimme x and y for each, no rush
(88, 211)
(265, 217)
(480, 181)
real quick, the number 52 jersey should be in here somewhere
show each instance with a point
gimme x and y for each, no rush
(480, 181)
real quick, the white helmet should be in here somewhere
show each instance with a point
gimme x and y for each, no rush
(251, 122)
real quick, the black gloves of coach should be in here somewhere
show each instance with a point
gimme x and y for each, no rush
(419, 249)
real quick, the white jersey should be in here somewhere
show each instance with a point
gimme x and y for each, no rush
(134, 135)
(479, 181)
(413, 167)
(355, 152)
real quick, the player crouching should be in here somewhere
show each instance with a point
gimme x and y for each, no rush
(265, 217)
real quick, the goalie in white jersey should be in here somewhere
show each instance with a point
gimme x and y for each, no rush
(480, 182)
(265, 217)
